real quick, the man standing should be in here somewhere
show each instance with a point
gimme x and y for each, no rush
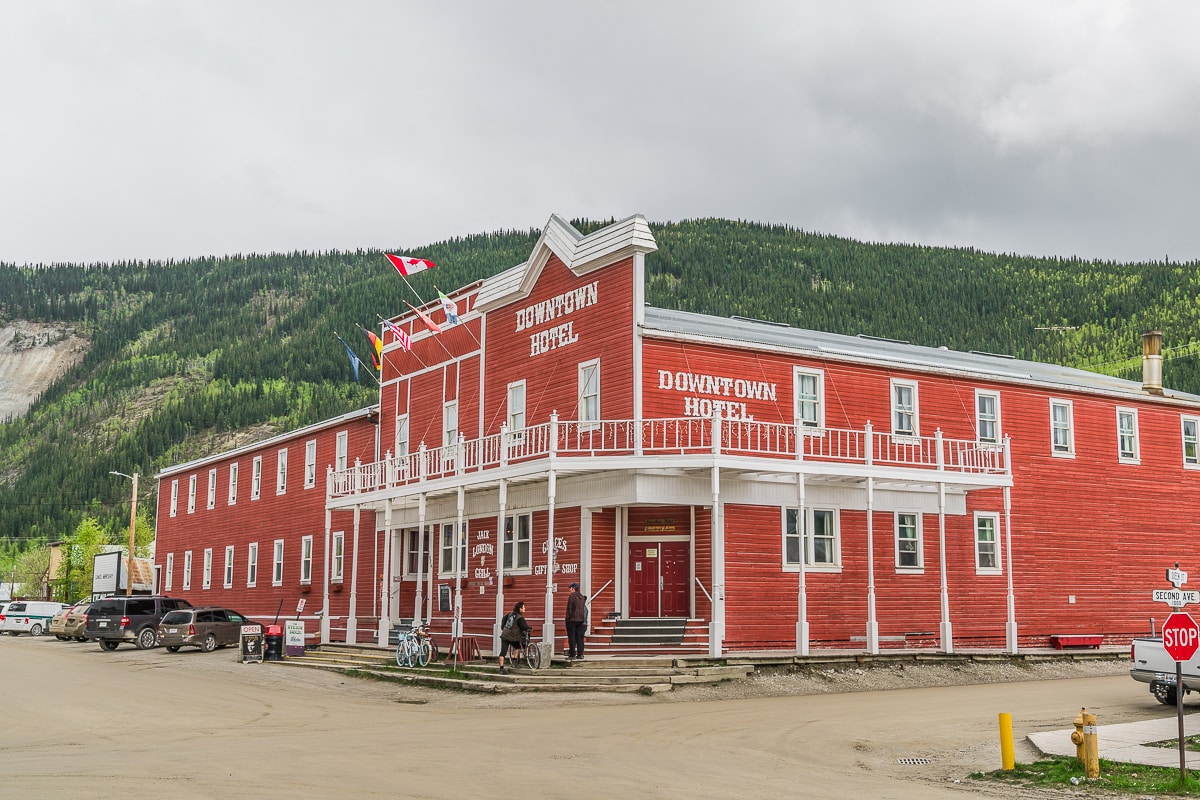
(576, 621)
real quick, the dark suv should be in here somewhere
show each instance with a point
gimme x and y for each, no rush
(128, 618)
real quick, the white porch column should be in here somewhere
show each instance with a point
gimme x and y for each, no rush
(418, 617)
(872, 620)
(352, 614)
(385, 580)
(947, 628)
(801, 589)
(501, 522)
(716, 628)
(1010, 628)
(323, 623)
(585, 557)
(456, 630)
(551, 488)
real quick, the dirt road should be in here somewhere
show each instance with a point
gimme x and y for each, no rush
(79, 722)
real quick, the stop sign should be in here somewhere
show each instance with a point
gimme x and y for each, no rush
(1181, 636)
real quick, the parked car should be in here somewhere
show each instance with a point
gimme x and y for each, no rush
(68, 624)
(129, 618)
(28, 616)
(208, 628)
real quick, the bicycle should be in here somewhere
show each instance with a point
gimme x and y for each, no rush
(412, 650)
(530, 653)
(423, 634)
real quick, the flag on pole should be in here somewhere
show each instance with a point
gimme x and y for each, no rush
(351, 354)
(408, 265)
(451, 309)
(376, 346)
(433, 326)
(398, 332)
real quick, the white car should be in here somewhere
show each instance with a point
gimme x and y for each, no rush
(28, 616)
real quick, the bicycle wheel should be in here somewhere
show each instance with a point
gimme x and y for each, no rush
(424, 651)
(402, 657)
(434, 653)
(533, 655)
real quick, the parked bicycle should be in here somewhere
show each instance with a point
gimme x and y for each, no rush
(412, 650)
(425, 636)
(530, 652)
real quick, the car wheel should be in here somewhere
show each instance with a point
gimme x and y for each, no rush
(35, 630)
(210, 643)
(107, 645)
(81, 638)
(172, 648)
(62, 638)
(146, 639)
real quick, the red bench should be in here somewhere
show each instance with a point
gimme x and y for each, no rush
(1061, 640)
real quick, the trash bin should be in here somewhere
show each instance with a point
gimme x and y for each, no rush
(274, 643)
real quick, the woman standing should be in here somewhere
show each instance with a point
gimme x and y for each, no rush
(513, 629)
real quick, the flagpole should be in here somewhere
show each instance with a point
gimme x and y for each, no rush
(407, 350)
(356, 358)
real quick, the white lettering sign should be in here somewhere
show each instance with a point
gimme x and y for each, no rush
(716, 386)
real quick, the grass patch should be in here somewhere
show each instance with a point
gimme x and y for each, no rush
(1115, 776)
(1191, 743)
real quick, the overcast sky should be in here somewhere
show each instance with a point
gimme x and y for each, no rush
(169, 129)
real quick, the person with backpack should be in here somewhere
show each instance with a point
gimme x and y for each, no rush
(513, 630)
(576, 622)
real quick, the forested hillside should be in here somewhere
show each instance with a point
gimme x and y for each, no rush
(186, 355)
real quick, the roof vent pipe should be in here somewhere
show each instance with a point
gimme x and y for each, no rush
(1152, 362)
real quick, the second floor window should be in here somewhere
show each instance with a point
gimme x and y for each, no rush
(281, 472)
(810, 408)
(192, 494)
(212, 489)
(589, 391)
(310, 464)
(174, 496)
(233, 476)
(987, 417)
(1062, 434)
(256, 478)
(516, 409)
(904, 408)
(1127, 435)
(1191, 441)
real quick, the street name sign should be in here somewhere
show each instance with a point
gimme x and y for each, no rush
(1176, 597)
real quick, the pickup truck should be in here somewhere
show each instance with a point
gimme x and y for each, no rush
(1152, 665)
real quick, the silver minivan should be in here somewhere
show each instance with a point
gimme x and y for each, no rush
(29, 616)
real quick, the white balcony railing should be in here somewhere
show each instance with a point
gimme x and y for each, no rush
(566, 440)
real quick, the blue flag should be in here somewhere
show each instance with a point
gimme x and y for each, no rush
(351, 354)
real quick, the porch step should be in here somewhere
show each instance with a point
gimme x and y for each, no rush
(649, 631)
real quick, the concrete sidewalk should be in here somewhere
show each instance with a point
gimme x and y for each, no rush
(1128, 742)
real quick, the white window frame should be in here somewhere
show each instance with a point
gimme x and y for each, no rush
(1062, 446)
(252, 565)
(168, 578)
(411, 554)
(797, 537)
(589, 394)
(206, 575)
(900, 412)
(212, 488)
(518, 536)
(306, 559)
(228, 584)
(256, 478)
(809, 409)
(982, 420)
(516, 411)
(187, 570)
(233, 480)
(446, 549)
(1190, 441)
(281, 460)
(341, 452)
(192, 494)
(401, 439)
(337, 561)
(310, 464)
(449, 433)
(174, 497)
(990, 519)
(918, 539)
(1129, 446)
(277, 563)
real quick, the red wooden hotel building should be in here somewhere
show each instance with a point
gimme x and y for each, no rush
(746, 486)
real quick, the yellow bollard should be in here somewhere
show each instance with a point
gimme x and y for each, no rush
(1091, 746)
(1007, 761)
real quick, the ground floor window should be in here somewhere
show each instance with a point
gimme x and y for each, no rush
(908, 541)
(416, 550)
(987, 549)
(447, 565)
(817, 538)
(518, 542)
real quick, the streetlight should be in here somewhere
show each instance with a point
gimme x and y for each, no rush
(132, 530)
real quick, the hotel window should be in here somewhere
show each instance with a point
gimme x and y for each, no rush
(233, 476)
(306, 556)
(908, 541)
(449, 433)
(229, 567)
(281, 472)
(207, 574)
(343, 447)
(1128, 449)
(174, 496)
(818, 539)
(256, 478)
(338, 556)
(401, 449)
(904, 408)
(212, 489)
(516, 411)
(447, 561)
(414, 550)
(277, 564)
(192, 494)
(518, 542)
(810, 397)
(252, 565)
(1191, 442)
(987, 416)
(187, 570)
(589, 392)
(170, 569)
(310, 464)
(987, 548)
(1062, 428)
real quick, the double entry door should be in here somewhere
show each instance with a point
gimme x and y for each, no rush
(659, 573)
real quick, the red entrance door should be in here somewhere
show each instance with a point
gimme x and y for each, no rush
(658, 579)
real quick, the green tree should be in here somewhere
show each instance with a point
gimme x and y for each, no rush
(81, 548)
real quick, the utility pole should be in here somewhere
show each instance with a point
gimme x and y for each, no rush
(1060, 330)
(132, 531)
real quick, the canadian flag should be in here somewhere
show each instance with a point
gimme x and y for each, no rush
(408, 265)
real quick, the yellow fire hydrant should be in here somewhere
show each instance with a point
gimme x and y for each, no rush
(1087, 744)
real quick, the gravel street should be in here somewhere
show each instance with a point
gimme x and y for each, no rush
(82, 722)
